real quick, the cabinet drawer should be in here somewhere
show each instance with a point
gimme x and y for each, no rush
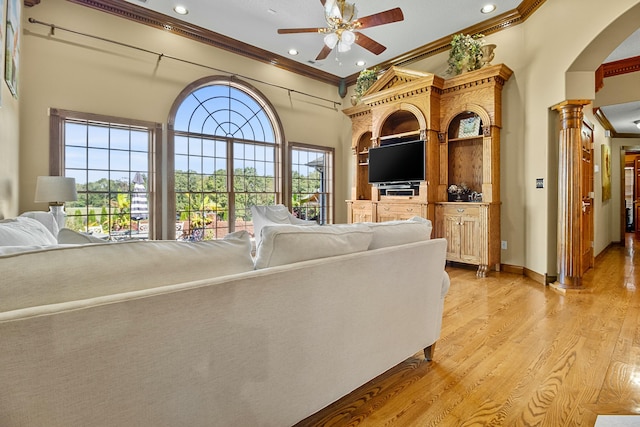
(461, 210)
(399, 211)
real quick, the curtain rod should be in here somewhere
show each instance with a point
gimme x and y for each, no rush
(160, 55)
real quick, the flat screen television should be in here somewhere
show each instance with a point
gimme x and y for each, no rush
(400, 163)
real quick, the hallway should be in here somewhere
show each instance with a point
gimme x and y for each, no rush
(515, 353)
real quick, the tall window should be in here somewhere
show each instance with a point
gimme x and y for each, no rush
(112, 162)
(311, 170)
(226, 157)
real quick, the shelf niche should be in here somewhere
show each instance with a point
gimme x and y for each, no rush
(465, 153)
(362, 188)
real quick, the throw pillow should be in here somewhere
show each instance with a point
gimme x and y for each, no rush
(394, 233)
(46, 218)
(23, 231)
(286, 244)
(68, 236)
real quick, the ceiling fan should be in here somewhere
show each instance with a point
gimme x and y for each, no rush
(342, 26)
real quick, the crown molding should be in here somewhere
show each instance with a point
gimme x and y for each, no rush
(162, 22)
(616, 68)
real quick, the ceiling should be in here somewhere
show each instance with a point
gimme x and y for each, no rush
(255, 23)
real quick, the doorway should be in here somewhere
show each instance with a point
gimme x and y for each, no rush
(632, 193)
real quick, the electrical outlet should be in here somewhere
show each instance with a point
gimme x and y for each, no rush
(504, 244)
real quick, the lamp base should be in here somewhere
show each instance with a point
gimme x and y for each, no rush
(59, 214)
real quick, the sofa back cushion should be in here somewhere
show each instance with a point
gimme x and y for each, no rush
(24, 231)
(286, 244)
(394, 233)
(46, 218)
(85, 271)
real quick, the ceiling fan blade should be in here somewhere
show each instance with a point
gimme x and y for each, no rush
(299, 30)
(370, 44)
(386, 17)
(326, 50)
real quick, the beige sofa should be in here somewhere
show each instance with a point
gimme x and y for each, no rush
(192, 334)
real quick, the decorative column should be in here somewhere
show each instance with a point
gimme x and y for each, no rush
(569, 194)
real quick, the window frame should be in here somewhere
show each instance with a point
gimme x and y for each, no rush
(279, 144)
(330, 179)
(57, 119)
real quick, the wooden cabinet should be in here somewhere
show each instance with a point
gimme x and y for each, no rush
(460, 120)
(360, 211)
(471, 119)
(466, 226)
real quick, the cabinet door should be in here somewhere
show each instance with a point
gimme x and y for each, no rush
(451, 232)
(470, 238)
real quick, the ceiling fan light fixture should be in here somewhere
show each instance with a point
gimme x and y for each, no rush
(331, 40)
(348, 37)
(343, 47)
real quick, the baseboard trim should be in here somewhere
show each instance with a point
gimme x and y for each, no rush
(543, 279)
(515, 269)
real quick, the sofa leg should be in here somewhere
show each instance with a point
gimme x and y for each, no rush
(428, 352)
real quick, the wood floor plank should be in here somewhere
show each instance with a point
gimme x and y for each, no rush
(513, 352)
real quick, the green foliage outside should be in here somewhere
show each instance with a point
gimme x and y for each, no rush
(200, 199)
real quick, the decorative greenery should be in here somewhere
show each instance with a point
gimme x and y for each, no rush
(465, 54)
(365, 79)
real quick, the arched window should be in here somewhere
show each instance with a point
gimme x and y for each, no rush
(224, 155)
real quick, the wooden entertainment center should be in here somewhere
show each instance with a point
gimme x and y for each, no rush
(459, 119)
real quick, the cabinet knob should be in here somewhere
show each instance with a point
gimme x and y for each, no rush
(460, 210)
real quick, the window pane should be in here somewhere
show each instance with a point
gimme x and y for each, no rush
(119, 139)
(75, 157)
(139, 140)
(181, 145)
(75, 134)
(98, 159)
(98, 136)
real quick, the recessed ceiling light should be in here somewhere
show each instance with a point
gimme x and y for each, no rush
(293, 52)
(271, 11)
(180, 10)
(488, 8)
(361, 63)
(637, 122)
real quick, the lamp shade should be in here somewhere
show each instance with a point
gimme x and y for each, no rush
(55, 189)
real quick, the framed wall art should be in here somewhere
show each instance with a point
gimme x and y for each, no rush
(12, 46)
(469, 127)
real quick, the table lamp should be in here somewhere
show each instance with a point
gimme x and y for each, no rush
(56, 190)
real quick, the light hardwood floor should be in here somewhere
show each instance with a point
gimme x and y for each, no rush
(516, 353)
